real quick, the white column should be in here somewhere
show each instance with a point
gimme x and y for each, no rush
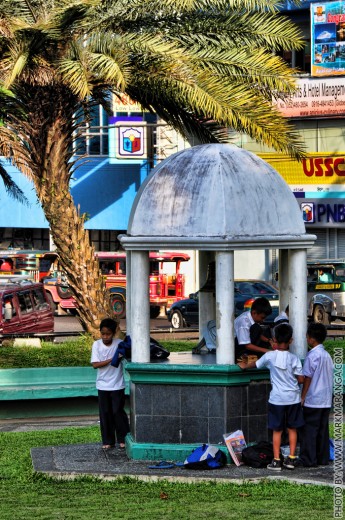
(207, 308)
(225, 308)
(128, 291)
(283, 279)
(298, 300)
(140, 307)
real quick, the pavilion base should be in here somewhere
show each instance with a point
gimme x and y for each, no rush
(170, 452)
(175, 408)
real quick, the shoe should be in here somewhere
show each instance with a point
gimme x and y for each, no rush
(122, 446)
(108, 446)
(292, 463)
(276, 465)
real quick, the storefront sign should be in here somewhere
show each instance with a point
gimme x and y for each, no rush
(327, 38)
(328, 213)
(123, 103)
(319, 172)
(314, 98)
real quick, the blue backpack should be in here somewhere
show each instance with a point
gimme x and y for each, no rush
(205, 457)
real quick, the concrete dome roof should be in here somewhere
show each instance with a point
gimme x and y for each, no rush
(215, 190)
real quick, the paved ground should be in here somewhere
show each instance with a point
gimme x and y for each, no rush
(90, 459)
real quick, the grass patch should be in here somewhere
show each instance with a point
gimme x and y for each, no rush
(24, 494)
(70, 353)
(77, 352)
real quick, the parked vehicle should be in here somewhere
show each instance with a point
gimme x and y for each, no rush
(186, 312)
(24, 307)
(40, 266)
(326, 290)
(167, 283)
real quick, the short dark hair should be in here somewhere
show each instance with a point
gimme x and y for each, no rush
(317, 331)
(262, 306)
(283, 333)
(109, 323)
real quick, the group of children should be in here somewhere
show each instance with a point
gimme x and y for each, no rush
(305, 414)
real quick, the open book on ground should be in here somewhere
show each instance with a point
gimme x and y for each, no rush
(235, 443)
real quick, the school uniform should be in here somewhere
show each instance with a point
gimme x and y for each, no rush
(284, 403)
(110, 384)
(247, 331)
(318, 365)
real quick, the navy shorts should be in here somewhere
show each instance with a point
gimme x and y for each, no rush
(285, 416)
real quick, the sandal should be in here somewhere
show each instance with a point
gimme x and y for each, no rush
(163, 464)
(108, 446)
(122, 445)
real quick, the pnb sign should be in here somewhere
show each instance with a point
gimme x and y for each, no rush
(324, 214)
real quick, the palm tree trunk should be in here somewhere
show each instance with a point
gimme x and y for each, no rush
(77, 256)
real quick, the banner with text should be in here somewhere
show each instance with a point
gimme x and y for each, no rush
(327, 38)
(314, 98)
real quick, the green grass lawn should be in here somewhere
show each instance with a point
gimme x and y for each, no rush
(27, 496)
(77, 352)
(71, 353)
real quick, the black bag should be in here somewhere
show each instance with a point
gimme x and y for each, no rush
(157, 351)
(258, 455)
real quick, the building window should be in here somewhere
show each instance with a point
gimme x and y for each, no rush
(92, 138)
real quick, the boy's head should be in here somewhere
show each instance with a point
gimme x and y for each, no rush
(261, 308)
(108, 323)
(316, 334)
(108, 329)
(283, 333)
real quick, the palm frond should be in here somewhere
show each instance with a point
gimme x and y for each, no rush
(11, 187)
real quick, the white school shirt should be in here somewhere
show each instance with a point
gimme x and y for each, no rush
(108, 377)
(242, 326)
(319, 366)
(285, 387)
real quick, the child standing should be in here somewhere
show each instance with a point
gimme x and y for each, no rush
(316, 399)
(284, 404)
(111, 387)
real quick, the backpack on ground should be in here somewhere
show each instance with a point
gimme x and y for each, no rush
(258, 455)
(205, 457)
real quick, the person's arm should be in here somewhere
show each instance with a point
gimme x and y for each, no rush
(306, 385)
(255, 348)
(244, 365)
(300, 379)
(100, 364)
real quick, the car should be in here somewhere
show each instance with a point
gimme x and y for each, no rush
(24, 307)
(185, 313)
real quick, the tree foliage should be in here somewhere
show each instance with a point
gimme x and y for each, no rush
(202, 65)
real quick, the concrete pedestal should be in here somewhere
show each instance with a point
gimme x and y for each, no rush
(175, 407)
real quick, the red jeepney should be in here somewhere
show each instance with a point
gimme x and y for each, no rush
(167, 283)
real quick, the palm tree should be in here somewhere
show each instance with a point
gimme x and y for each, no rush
(202, 65)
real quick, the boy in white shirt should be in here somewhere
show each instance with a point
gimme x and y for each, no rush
(316, 399)
(111, 386)
(284, 403)
(249, 338)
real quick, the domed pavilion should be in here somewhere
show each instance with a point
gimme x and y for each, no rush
(216, 199)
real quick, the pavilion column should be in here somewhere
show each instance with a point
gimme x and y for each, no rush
(128, 291)
(225, 308)
(298, 300)
(207, 309)
(283, 279)
(140, 307)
